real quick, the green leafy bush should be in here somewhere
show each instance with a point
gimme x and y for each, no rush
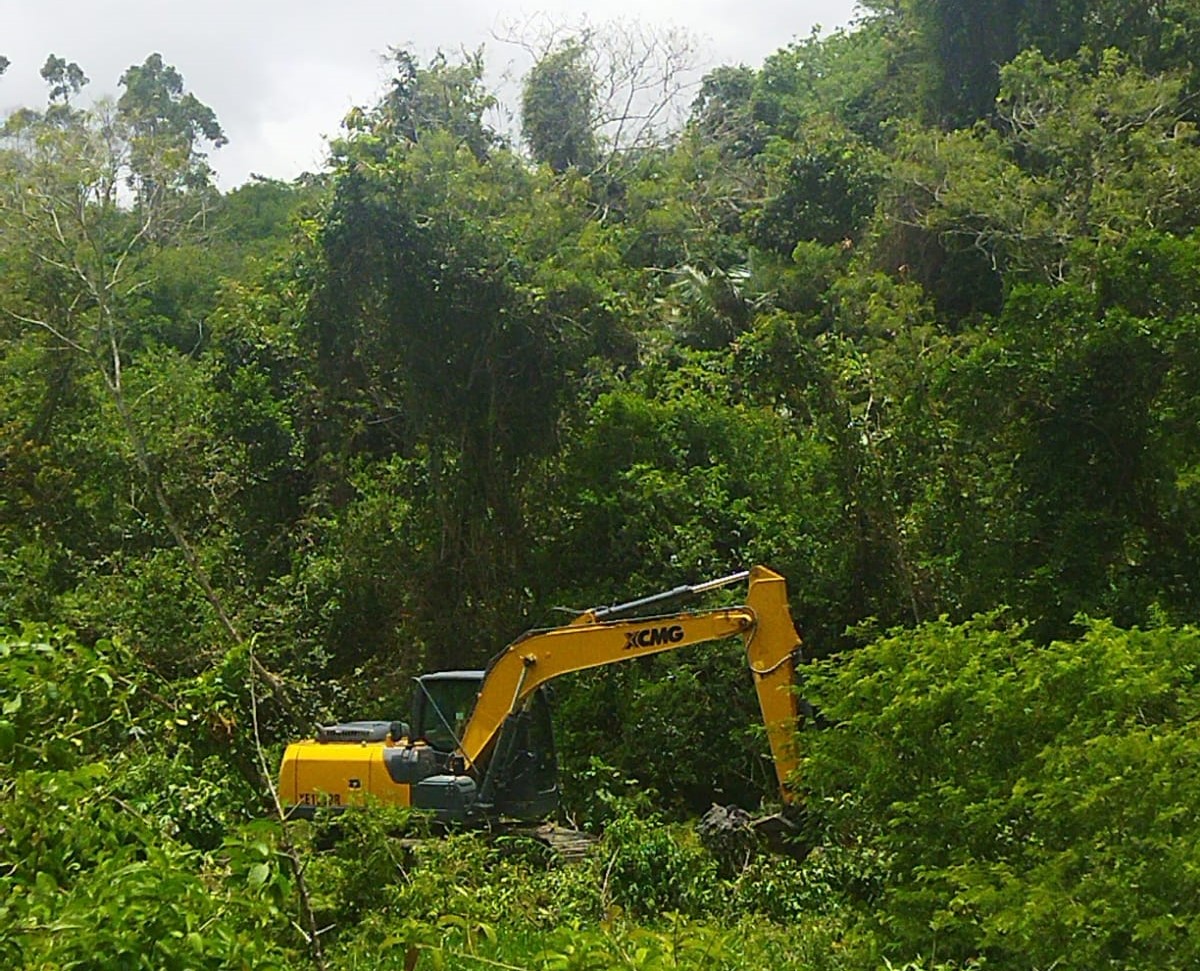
(88, 882)
(61, 701)
(651, 869)
(1035, 805)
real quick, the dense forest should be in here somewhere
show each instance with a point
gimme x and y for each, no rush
(909, 312)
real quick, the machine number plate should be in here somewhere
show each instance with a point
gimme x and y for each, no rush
(320, 799)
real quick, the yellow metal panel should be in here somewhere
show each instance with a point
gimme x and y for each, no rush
(337, 774)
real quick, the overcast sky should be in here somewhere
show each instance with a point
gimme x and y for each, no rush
(281, 75)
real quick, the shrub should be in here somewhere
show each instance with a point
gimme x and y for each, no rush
(1036, 804)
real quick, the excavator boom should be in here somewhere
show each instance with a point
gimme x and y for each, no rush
(764, 624)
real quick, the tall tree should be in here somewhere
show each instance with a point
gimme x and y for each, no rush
(1089, 150)
(624, 86)
(954, 50)
(78, 262)
(167, 127)
(455, 294)
(66, 79)
(439, 97)
(557, 106)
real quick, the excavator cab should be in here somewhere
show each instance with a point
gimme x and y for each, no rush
(519, 781)
(442, 703)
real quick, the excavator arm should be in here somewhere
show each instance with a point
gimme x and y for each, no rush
(591, 641)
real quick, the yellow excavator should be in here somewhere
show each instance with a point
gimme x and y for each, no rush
(479, 747)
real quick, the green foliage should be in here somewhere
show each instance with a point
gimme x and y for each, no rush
(65, 78)
(858, 77)
(951, 53)
(1026, 799)
(680, 945)
(89, 883)
(470, 314)
(556, 110)
(186, 794)
(441, 98)
(459, 897)
(651, 870)
(258, 214)
(367, 865)
(166, 127)
(99, 816)
(822, 190)
(961, 46)
(723, 111)
(1088, 150)
(62, 701)
(684, 480)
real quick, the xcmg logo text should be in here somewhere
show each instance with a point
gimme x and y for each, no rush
(653, 637)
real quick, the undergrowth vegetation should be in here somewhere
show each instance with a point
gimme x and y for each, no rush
(971, 800)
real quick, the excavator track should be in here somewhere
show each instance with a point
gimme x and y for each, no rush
(569, 845)
(565, 844)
